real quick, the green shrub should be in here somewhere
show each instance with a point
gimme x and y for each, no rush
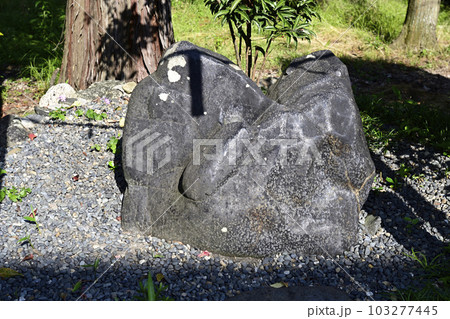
(272, 19)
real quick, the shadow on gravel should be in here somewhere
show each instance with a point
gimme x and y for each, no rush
(430, 91)
(54, 279)
(393, 207)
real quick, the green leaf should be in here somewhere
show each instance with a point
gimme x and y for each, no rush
(277, 285)
(24, 192)
(397, 92)
(111, 165)
(26, 238)
(96, 263)
(8, 273)
(234, 5)
(244, 15)
(389, 180)
(2, 171)
(221, 13)
(150, 288)
(77, 286)
(30, 219)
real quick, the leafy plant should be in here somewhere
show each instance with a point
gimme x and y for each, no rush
(26, 239)
(394, 183)
(32, 218)
(403, 171)
(273, 19)
(14, 194)
(94, 265)
(79, 113)
(58, 114)
(149, 292)
(434, 283)
(377, 136)
(411, 223)
(77, 286)
(419, 176)
(96, 147)
(113, 143)
(92, 115)
(111, 165)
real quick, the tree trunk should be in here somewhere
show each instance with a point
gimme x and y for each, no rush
(114, 39)
(419, 29)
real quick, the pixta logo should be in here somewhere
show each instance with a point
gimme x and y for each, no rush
(252, 151)
(141, 149)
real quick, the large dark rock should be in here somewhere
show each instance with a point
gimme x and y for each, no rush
(213, 162)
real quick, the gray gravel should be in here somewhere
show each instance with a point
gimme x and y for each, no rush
(78, 200)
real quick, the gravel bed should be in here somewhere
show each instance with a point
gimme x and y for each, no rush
(78, 200)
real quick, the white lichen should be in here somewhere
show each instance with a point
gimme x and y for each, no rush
(163, 96)
(173, 76)
(176, 61)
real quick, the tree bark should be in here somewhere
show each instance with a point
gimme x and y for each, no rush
(419, 29)
(114, 39)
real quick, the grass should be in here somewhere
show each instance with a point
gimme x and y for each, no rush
(389, 119)
(434, 282)
(32, 40)
(32, 31)
(346, 27)
(150, 292)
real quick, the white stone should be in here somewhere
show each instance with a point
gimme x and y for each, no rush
(51, 97)
(224, 230)
(129, 87)
(27, 123)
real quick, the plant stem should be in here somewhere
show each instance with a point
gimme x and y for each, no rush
(248, 44)
(264, 60)
(233, 37)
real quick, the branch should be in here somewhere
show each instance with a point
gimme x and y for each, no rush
(233, 37)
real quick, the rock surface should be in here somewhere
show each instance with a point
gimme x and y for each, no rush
(12, 131)
(111, 89)
(52, 97)
(213, 162)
